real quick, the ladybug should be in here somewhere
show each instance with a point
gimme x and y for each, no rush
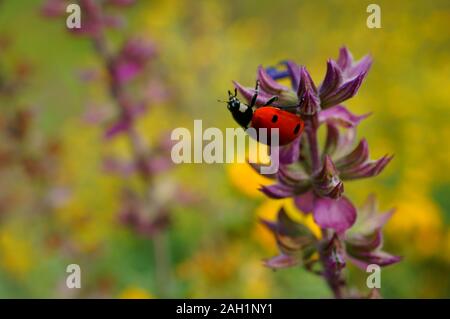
(290, 126)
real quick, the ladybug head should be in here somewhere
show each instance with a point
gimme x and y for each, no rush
(233, 103)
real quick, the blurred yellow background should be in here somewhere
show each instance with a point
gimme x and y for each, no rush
(216, 245)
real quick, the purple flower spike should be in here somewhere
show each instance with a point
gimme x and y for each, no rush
(313, 173)
(343, 78)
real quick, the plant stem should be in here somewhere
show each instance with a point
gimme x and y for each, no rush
(332, 274)
(311, 133)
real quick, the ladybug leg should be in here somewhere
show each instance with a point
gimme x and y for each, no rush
(271, 100)
(255, 96)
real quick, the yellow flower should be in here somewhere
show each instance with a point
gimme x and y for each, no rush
(257, 283)
(246, 179)
(417, 222)
(135, 293)
(15, 253)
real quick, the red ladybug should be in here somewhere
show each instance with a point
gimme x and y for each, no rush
(290, 126)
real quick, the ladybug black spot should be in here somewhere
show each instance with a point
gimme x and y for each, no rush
(274, 118)
(296, 129)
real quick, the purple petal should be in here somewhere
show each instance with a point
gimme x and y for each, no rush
(345, 58)
(248, 93)
(358, 156)
(364, 242)
(350, 68)
(307, 94)
(294, 73)
(368, 169)
(338, 214)
(369, 219)
(341, 116)
(332, 80)
(277, 191)
(281, 261)
(343, 78)
(290, 153)
(292, 237)
(270, 225)
(268, 84)
(295, 177)
(305, 202)
(344, 92)
(379, 258)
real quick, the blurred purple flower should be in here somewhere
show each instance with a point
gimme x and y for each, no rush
(93, 20)
(54, 8)
(132, 59)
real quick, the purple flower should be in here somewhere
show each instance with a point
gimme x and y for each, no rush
(295, 241)
(341, 82)
(132, 59)
(364, 240)
(343, 78)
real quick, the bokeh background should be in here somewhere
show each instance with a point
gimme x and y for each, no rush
(58, 206)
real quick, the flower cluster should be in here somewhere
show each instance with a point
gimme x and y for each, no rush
(146, 212)
(130, 61)
(313, 175)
